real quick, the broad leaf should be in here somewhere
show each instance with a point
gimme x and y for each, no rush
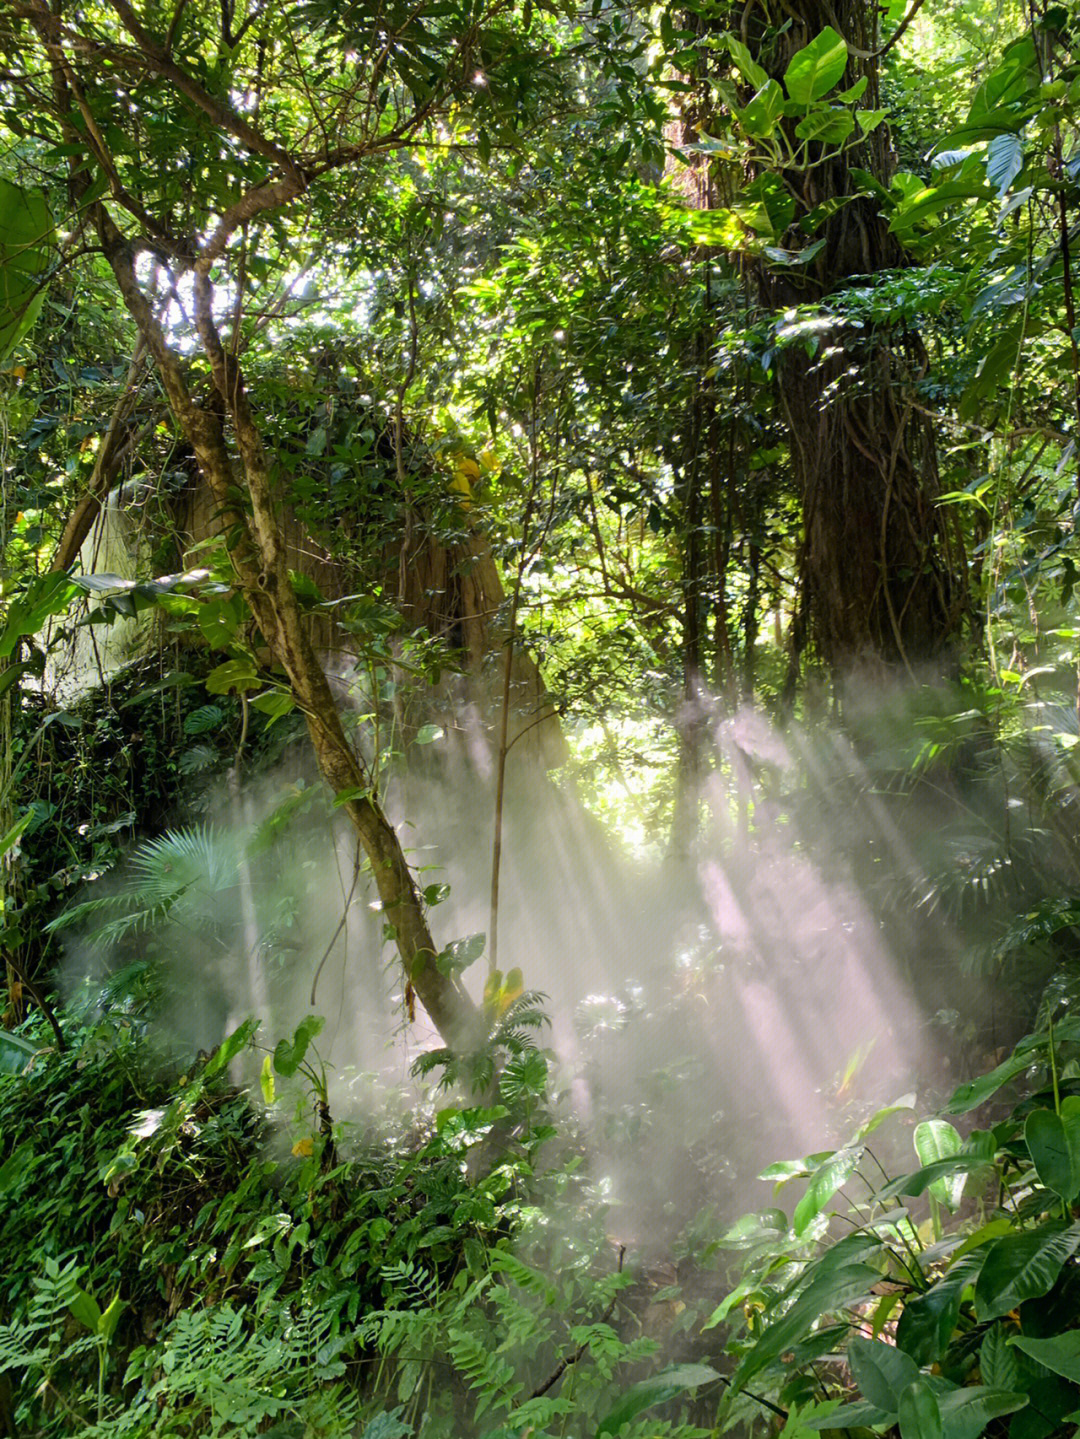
(997, 1362)
(965, 1413)
(1004, 161)
(1021, 1267)
(26, 235)
(658, 1389)
(1053, 1142)
(825, 1294)
(937, 1139)
(760, 115)
(882, 1372)
(929, 1319)
(831, 1176)
(1061, 1353)
(919, 1412)
(15, 1053)
(816, 68)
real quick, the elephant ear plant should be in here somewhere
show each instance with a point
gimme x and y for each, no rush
(949, 1306)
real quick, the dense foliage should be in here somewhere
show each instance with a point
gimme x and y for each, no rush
(499, 496)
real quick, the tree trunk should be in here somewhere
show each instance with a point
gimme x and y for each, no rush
(881, 562)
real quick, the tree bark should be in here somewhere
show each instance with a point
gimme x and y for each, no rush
(881, 562)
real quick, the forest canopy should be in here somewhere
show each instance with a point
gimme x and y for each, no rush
(539, 674)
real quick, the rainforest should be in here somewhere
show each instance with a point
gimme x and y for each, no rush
(539, 719)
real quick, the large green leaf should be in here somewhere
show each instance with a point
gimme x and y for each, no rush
(760, 115)
(977, 1091)
(1021, 1267)
(829, 1177)
(658, 1389)
(825, 1294)
(1053, 1141)
(882, 1372)
(816, 68)
(928, 1320)
(937, 1139)
(919, 1412)
(15, 1053)
(1061, 1353)
(965, 1413)
(26, 235)
(47, 595)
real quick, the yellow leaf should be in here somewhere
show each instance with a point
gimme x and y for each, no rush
(489, 459)
(467, 467)
(303, 1148)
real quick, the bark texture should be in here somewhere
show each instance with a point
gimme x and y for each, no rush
(881, 562)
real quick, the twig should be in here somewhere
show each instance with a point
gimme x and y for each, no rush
(565, 1364)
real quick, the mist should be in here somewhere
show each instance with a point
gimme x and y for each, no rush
(709, 1013)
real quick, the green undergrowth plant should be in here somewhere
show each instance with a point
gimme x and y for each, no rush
(174, 1265)
(942, 1303)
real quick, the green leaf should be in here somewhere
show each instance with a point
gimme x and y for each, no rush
(266, 1080)
(882, 1372)
(231, 1046)
(111, 1318)
(825, 1294)
(16, 1165)
(905, 1102)
(745, 63)
(429, 733)
(937, 1139)
(48, 595)
(203, 719)
(85, 1308)
(9, 840)
(1021, 1267)
(26, 238)
(828, 126)
(239, 674)
(1061, 1353)
(846, 1418)
(816, 68)
(977, 1091)
(929, 1319)
(1004, 160)
(275, 703)
(1053, 1142)
(759, 117)
(919, 1412)
(997, 1362)
(965, 1413)
(15, 1053)
(830, 1176)
(288, 1056)
(658, 1389)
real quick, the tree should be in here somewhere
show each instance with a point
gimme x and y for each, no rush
(198, 148)
(881, 564)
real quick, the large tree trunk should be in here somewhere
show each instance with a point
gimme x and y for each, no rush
(881, 560)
